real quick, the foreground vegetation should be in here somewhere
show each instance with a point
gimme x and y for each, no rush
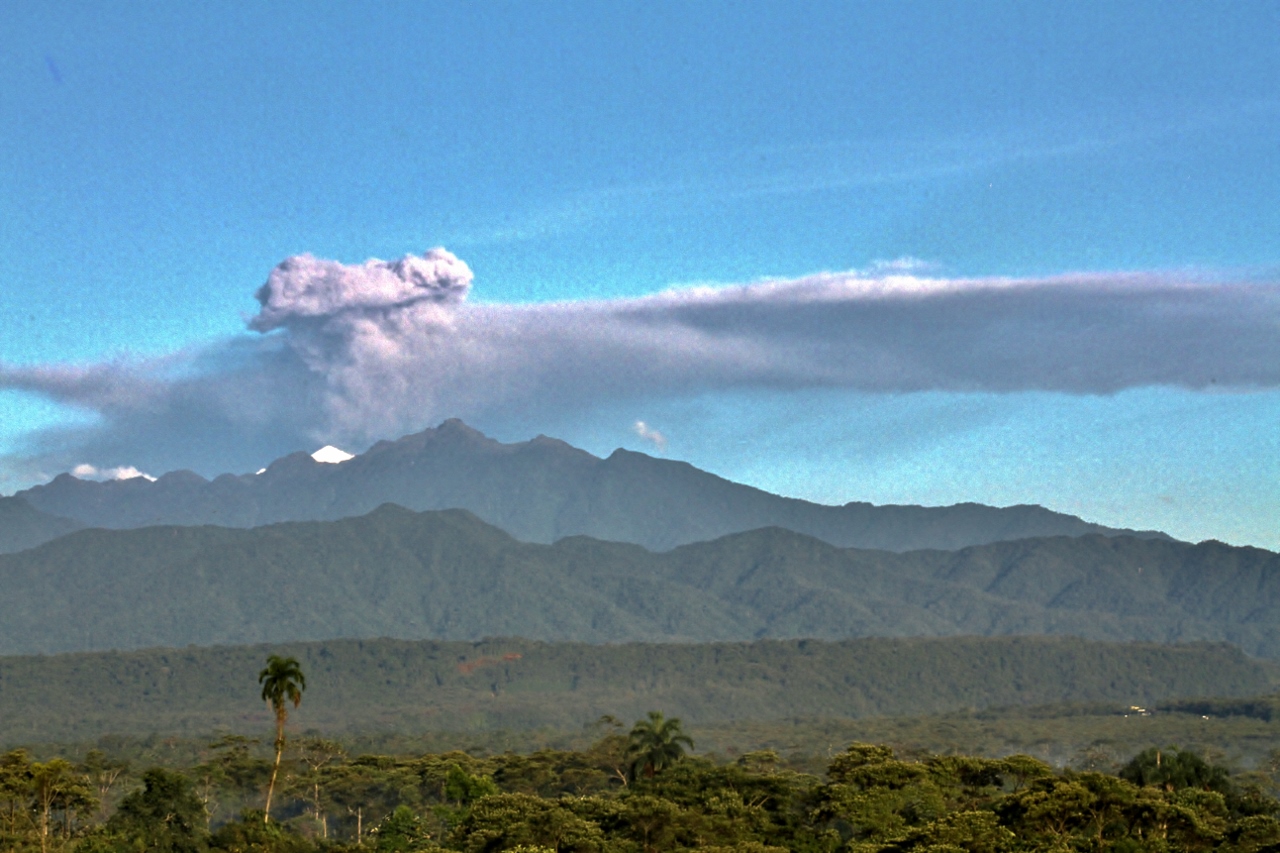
(641, 792)
(615, 795)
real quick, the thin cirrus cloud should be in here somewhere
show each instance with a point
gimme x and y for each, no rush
(354, 353)
(853, 164)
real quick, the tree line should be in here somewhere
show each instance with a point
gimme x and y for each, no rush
(426, 689)
(637, 791)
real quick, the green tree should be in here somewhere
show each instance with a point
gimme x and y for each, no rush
(652, 820)
(15, 792)
(316, 753)
(1174, 769)
(506, 821)
(874, 797)
(57, 787)
(464, 788)
(368, 789)
(103, 774)
(165, 816)
(250, 835)
(282, 682)
(655, 743)
(230, 769)
(401, 831)
(971, 831)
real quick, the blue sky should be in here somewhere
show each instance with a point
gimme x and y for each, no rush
(156, 164)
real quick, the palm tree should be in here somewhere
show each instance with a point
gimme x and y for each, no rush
(655, 743)
(282, 681)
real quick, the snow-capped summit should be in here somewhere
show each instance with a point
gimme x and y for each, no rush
(332, 455)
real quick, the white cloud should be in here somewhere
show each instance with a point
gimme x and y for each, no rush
(647, 433)
(86, 471)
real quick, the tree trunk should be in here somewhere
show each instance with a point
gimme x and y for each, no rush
(275, 768)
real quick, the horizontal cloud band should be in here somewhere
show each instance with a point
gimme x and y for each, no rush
(360, 352)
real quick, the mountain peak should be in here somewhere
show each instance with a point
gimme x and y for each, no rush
(456, 428)
(537, 491)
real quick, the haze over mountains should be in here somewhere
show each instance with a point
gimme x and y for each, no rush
(448, 575)
(538, 491)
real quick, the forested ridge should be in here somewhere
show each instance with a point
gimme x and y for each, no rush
(412, 687)
(22, 526)
(448, 575)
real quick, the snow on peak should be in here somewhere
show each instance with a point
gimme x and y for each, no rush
(332, 455)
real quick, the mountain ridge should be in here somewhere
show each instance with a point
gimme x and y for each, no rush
(22, 526)
(540, 490)
(449, 575)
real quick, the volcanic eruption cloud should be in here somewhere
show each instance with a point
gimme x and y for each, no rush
(352, 353)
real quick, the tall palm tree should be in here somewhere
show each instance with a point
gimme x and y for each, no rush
(282, 682)
(655, 743)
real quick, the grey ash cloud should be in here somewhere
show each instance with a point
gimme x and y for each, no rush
(352, 353)
(305, 288)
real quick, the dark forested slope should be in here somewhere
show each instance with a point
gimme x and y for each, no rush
(448, 575)
(407, 687)
(538, 491)
(23, 526)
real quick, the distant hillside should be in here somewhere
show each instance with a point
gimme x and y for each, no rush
(538, 491)
(448, 575)
(405, 687)
(23, 526)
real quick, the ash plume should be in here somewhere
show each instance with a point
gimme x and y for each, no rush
(347, 354)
